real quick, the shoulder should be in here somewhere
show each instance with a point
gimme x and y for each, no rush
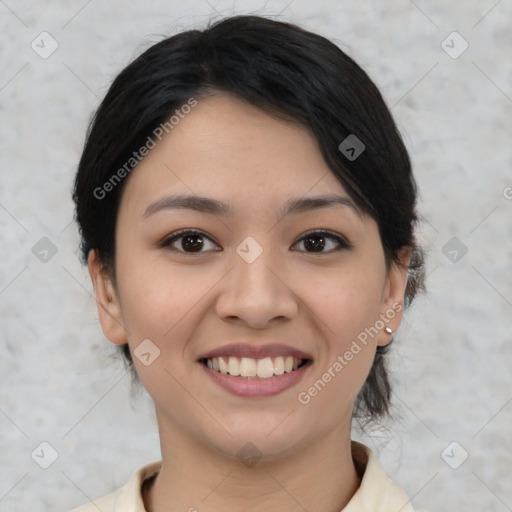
(105, 504)
(377, 492)
(127, 498)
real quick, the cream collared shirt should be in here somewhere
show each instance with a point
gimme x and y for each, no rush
(377, 493)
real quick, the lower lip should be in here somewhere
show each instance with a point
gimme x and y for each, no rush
(256, 387)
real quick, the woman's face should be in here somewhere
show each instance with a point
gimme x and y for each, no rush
(249, 283)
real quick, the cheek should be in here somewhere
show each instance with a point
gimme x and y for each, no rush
(157, 296)
(348, 307)
(162, 303)
(350, 301)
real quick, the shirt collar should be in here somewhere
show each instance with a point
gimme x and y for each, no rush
(376, 493)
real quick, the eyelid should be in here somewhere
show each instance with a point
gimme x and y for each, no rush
(168, 240)
(342, 240)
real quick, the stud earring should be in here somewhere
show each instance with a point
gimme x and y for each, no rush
(388, 330)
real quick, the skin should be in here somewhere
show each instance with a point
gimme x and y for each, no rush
(188, 303)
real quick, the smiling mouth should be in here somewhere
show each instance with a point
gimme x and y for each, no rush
(248, 367)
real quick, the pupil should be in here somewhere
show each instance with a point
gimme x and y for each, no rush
(189, 239)
(318, 244)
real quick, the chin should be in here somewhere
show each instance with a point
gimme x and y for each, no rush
(269, 436)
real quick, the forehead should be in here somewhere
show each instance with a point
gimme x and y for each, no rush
(225, 147)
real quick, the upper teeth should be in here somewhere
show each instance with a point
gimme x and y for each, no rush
(248, 367)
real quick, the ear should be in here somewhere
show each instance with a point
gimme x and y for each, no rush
(393, 296)
(109, 308)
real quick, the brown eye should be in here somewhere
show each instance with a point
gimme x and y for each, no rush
(317, 241)
(188, 241)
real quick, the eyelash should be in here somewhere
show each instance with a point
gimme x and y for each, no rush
(342, 243)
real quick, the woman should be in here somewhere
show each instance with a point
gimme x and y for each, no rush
(247, 212)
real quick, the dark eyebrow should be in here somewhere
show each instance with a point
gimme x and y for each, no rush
(305, 204)
(215, 207)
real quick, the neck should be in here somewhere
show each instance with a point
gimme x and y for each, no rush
(194, 477)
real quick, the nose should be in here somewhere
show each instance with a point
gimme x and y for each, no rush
(257, 293)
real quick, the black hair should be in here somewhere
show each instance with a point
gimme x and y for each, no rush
(289, 73)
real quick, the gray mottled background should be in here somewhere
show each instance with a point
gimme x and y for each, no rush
(453, 355)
